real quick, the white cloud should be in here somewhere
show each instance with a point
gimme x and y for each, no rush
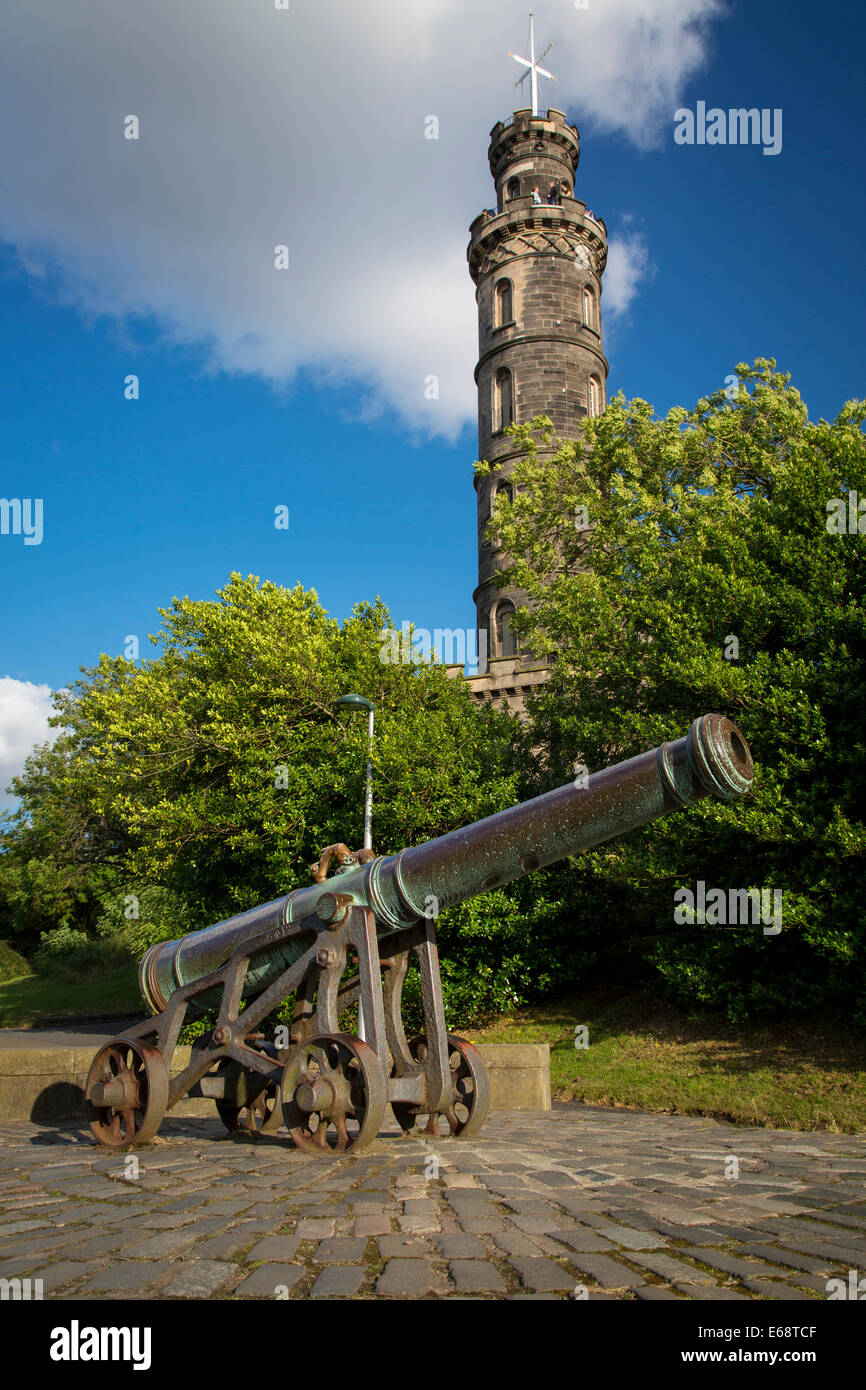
(261, 126)
(24, 713)
(627, 265)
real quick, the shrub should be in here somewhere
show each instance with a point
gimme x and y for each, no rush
(12, 965)
(67, 954)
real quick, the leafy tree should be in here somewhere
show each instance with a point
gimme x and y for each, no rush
(693, 563)
(207, 778)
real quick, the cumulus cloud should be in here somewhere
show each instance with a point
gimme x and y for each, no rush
(24, 712)
(627, 265)
(303, 127)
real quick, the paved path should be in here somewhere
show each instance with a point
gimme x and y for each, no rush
(82, 1035)
(620, 1204)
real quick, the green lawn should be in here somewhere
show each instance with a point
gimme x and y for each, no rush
(25, 1002)
(646, 1055)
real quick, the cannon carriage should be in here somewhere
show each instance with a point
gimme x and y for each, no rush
(329, 1088)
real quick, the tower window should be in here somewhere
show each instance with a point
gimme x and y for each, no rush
(513, 189)
(506, 641)
(504, 303)
(594, 396)
(503, 492)
(503, 399)
(589, 317)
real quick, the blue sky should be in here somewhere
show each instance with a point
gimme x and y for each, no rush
(307, 392)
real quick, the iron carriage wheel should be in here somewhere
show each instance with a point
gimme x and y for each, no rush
(126, 1093)
(470, 1093)
(257, 1116)
(334, 1093)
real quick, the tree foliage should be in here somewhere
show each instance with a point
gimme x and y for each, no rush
(207, 778)
(687, 564)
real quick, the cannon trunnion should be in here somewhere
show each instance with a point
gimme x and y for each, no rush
(328, 1088)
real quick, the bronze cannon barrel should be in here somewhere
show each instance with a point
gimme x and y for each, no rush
(713, 759)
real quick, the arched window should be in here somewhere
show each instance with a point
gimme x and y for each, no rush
(513, 189)
(501, 492)
(503, 399)
(589, 318)
(594, 396)
(506, 642)
(504, 303)
(564, 189)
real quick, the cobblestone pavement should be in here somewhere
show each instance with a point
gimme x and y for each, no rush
(621, 1204)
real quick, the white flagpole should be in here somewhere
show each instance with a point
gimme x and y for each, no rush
(532, 60)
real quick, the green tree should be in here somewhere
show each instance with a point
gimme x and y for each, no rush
(207, 778)
(680, 565)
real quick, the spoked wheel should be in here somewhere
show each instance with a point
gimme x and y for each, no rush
(470, 1094)
(126, 1093)
(258, 1116)
(334, 1094)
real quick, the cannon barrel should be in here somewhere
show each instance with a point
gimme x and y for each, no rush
(713, 759)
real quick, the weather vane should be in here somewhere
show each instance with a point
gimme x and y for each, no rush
(532, 65)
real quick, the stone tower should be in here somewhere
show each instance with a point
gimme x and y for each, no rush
(537, 268)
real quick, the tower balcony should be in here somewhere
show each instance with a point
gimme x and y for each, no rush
(522, 216)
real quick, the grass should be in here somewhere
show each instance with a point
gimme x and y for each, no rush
(647, 1055)
(27, 1001)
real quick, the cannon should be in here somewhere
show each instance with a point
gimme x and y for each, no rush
(346, 940)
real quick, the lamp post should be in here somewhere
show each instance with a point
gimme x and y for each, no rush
(359, 702)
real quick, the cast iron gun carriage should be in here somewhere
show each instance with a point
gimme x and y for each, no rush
(330, 1089)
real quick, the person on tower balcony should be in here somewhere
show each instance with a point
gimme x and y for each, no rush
(553, 195)
(536, 196)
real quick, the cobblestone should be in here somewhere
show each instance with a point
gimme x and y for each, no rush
(476, 1276)
(372, 1226)
(123, 1278)
(669, 1269)
(460, 1246)
(391, 1247)
(274, 1248)
(403, 1277)
(542, 1276)
(338, 1281)
(771, 1288)
(609, 1273)
(199, 1279)
(565, 1198)
(267, 1279)
(315, 1229)
(341, 1251)
(65, 1272)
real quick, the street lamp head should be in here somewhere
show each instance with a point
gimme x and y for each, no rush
(359, 701)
